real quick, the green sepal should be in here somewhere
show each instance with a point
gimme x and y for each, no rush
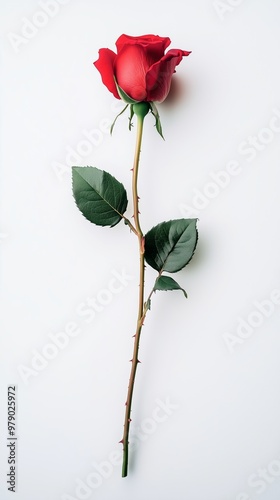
(99, 196)
(166, 283)
(130, 125)
(126, 98)
(169, 246)
(155, 112)
(113, 124)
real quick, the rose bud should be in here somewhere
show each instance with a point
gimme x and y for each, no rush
(140, 68)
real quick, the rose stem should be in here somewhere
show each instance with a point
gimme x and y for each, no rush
(140, 110)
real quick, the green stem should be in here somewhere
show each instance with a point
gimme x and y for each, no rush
(131, 385)
(141, 312)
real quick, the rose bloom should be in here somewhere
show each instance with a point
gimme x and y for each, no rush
(140, 67)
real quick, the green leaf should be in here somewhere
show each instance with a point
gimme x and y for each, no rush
(169, 246)
(126, 98)
(113, 124)
(99, 196)
(157, 117)
(166, 283)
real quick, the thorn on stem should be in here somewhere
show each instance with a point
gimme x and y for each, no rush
(121, 441)
(142, 320)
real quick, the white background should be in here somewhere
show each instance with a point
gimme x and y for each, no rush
(222, 442)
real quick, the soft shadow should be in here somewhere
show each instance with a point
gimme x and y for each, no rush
(200, 254)
(178, 91)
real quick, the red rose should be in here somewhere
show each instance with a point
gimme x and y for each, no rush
(140, 67)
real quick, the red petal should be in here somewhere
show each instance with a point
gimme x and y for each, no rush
(153, 45)
(158, 79)
(105, 66)
(131, 67)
